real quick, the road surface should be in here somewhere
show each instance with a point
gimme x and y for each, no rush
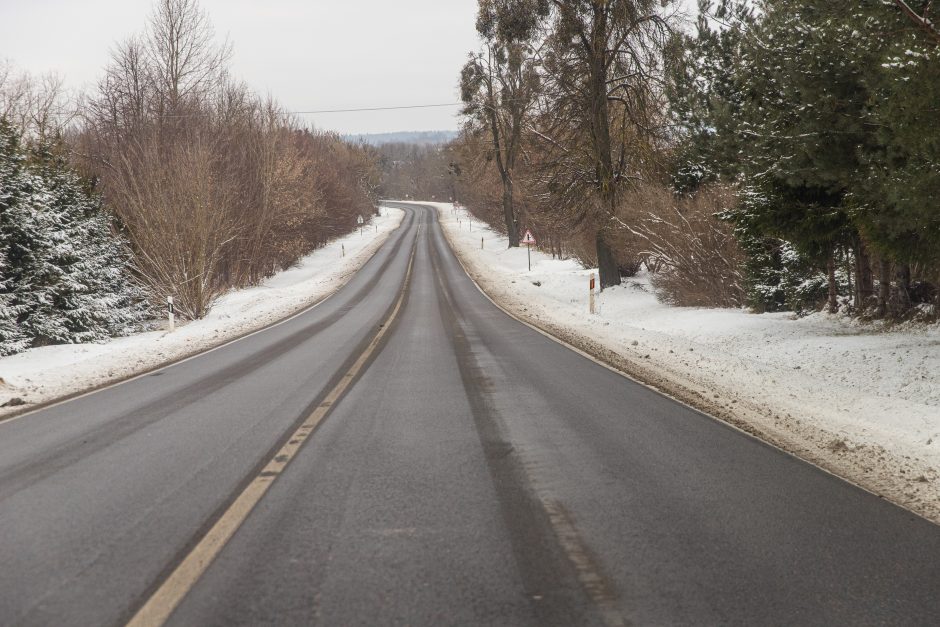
(406, 453)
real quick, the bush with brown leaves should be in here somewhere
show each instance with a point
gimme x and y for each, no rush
(693, 255)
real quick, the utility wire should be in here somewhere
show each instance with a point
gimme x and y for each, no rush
(423, 106)
(318, 111)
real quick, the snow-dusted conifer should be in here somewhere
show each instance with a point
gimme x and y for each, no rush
(75, 285)
(12, 182)
(66, 277)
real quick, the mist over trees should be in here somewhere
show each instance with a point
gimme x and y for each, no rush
(783, 155)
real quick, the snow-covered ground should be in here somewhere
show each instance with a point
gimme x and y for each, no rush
(43, 374)
(860, 400)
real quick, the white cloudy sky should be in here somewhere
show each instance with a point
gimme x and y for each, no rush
(309, 54)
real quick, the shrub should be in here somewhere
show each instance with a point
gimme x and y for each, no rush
(694, 256)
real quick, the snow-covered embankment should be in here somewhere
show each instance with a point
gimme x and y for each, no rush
(43, 374)
(859, 400)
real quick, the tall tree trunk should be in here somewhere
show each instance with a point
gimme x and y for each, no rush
(864, 282)
(607, 270)
(884, 287)
(512, 229)
(606, 263)
(833, 288)
(903, 301)
(504, 164)
(849, 279)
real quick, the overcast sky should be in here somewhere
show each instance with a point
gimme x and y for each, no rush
(309, 54)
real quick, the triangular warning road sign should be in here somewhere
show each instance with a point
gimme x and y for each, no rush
(527, 239)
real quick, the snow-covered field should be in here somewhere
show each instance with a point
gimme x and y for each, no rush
(860, 400)
(43, 374)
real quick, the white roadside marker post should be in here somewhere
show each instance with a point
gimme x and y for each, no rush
(591, 297)
(171, 313)
(361, 221)
(481, 243)
(344, 249)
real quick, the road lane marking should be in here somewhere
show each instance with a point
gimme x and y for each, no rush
(161, 604)
(586, 566)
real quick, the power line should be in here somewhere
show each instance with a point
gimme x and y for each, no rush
(318, 111)
(423, 106)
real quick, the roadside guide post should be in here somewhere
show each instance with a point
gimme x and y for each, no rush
(591, 298)
(360, 221)
(529, 241)
(171, 312)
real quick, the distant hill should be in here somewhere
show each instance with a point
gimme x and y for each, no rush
(423, 138)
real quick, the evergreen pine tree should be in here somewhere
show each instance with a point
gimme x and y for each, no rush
(12, 183)
(733, 97)
(896, 206)
(65, 276)
(824, 115)
(74, 283)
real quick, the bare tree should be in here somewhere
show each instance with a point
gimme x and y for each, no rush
(182, 55)
(499, 83)
(215, 187)
(38, 105)
(126, 90)
(604, 65)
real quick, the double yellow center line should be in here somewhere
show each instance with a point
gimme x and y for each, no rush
(174, 589)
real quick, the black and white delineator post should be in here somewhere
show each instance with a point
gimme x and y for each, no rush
(529, 242)
(361, 221)
(591, 297)
(171, 312)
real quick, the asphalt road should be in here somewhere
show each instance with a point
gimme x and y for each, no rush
(471, 471)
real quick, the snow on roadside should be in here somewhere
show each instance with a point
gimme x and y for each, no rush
(860, 400)
(42, 374)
